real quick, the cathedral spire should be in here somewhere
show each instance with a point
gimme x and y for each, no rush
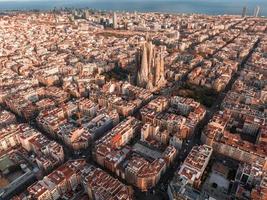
(151, 71)
(142, 76)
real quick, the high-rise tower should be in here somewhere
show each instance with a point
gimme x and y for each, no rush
(244, 12)
(257, 11)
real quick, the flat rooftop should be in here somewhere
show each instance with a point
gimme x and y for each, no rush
(146, 151)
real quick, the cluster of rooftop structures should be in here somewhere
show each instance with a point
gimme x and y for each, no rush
(60, 101)
(77, 123)
(239, 129)
(24, 153)
(139, 164)
(178, 115)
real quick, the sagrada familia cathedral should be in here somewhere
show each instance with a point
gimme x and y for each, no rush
(150, 61)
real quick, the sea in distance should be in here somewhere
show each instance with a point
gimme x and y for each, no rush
(211, 7)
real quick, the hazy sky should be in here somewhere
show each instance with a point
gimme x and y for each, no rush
(181, 6)
(143, 0)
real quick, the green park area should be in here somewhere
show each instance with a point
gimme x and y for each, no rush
(205, 96)
(117, 73)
